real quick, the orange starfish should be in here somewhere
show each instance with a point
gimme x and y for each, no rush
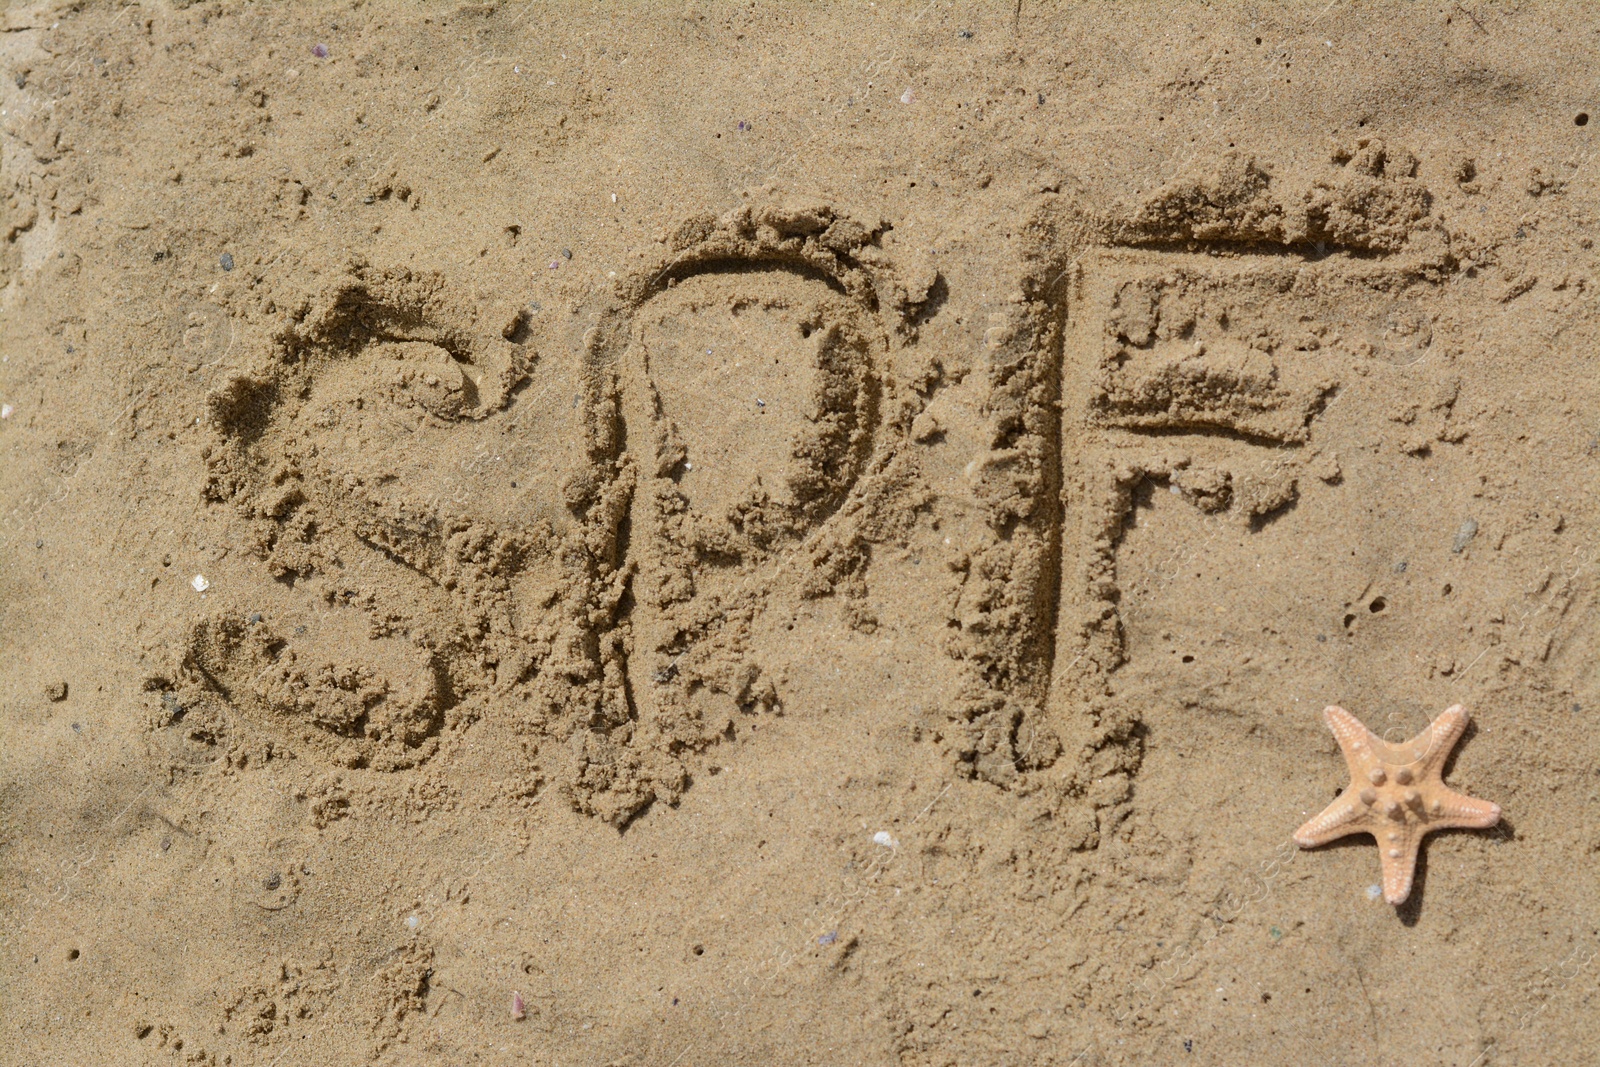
(1397, 794)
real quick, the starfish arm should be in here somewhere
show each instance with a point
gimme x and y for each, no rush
(1339, 819)
(1355, 740)
(1432, 746)
(1399, 857)
(1458, 809)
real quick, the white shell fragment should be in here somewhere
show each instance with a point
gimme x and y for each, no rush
(199, 583)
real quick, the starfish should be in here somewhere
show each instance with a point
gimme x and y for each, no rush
(1397, 794)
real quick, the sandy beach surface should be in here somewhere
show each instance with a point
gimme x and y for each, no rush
(702, 533)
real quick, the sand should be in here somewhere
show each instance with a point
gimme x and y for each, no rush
(710, 534)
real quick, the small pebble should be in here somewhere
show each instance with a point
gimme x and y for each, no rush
(227, 261)
(517, 1009)
(882, 838)
(166, 843)
(273, 880)
(6, 410)
(199, 583)
(412, 922)
(1468, 531)
(255, 617)
(1374, 892)
(828, 938)
(566, 253)
(320, 51)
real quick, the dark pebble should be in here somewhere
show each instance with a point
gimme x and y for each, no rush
(274, 880)
(227, 261)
